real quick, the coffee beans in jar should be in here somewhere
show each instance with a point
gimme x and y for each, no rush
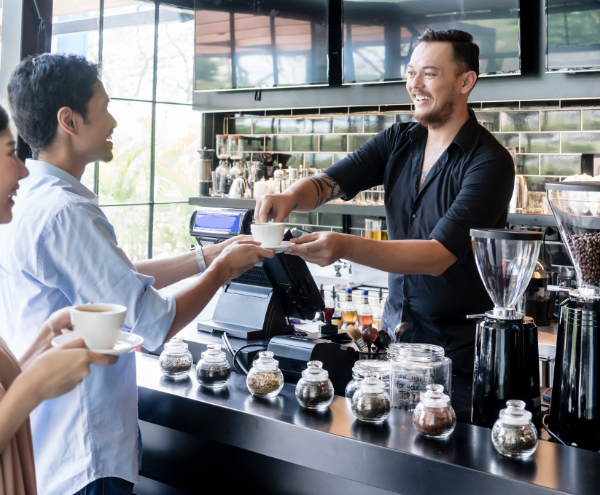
(585, 249)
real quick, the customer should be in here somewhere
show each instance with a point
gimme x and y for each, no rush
(61, 250)
(47, 373)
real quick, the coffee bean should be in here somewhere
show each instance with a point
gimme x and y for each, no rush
(585, 251)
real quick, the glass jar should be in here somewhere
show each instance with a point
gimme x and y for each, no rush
(314, 390)
(434, 417)
(265, 378)
(175, 360)
(360, 371)
(394, 350)
(213, 369)
(514, 435)
(415, 367)
(371, 402)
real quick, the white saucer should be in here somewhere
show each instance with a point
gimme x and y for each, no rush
(279, 249)
(127, 342)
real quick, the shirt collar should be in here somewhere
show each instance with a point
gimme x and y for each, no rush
(37, 167)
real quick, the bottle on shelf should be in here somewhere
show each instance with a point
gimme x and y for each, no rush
(348, 310)
(364, 311)
(378, 311)
(336, 319)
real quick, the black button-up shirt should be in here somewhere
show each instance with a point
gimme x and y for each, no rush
(470, 186)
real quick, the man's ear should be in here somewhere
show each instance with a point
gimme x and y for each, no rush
(67, 121)
(469, 80)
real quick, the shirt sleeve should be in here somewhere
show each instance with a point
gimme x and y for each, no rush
(79, 255)
(484, 196)
(365, 168)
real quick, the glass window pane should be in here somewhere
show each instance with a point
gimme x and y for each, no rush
(128, 49)
(175, 66)
(131, 228)
(75, 27)
(87, 179)
(126, 179)
(171, 234)
(176, 156)
(1, 7)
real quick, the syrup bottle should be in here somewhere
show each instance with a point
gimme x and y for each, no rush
(348, 310)
(365, 313)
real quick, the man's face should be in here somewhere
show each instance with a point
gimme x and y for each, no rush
(94, 138)
(433, 83)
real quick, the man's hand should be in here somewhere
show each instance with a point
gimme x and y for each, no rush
(321, 248)
(275, 207)
(212, 252)
(238, 257)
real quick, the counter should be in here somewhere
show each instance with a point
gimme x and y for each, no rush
(200, 441)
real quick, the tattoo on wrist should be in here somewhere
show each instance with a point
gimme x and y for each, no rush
(335, 190)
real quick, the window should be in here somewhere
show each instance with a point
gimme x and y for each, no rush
(147, 53)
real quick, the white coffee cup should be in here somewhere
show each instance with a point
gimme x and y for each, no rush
(99, 325)
(268, 234)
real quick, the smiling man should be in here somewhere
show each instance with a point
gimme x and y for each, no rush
(443, 175)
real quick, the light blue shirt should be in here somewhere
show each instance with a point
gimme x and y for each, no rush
(60, 250)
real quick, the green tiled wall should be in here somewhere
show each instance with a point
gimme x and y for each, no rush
(549, 137)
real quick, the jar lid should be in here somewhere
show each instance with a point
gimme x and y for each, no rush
(362, 367)
(515, 413)
(372, 383)
(434, 396)
(315, 372)
(213, 354)
(424, 353)
(176, 344)
(265, 361)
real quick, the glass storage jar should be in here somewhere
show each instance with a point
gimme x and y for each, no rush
(314, 390)
(434, 417)
(175, 360)
(415, 367)
(514, 434)
(371, 402)
(360, 371)
(265, 378)
(213, 370)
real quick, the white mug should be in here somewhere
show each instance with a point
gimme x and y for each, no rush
(268, 234)
(99, 325)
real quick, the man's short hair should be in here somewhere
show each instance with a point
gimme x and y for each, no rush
(42, 85)
(466, 53)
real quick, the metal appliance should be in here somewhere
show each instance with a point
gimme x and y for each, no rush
(213, 225)
(506, 342)
(575, 408)
(206, 160)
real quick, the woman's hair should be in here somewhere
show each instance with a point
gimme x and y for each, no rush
(3, 119)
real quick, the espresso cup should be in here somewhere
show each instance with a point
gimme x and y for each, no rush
(99, 325)
(268, 234)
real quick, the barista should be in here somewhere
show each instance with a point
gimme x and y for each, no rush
(443, 175)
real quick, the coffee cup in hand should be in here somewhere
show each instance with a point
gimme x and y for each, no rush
(268, 234)
(99, 325)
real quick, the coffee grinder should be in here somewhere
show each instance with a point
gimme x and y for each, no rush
(575, 407)
(506, 342)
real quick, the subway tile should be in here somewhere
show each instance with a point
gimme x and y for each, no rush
(395, 108)
(539, 104)
(540, 142)
(314, 228)
(520, 121)
(348, 124)
(489, 120)
(537, 183)
(276, 113)
(277, 143)
(499, 105)
(339, 156)
(508, 139)
(560, 164)
(377, 123)
(239, 126)
(265, 126)
(295, 160)
(358, 221)
(334, 110)
(528, 164)
(305, 143)
(330, 219)
(590, 102)
(305, 111)
(591, 120)
(580, 142)
(561, 120)
(303, 218)
(334, 142)
(403, 118)
(291, 126)
(319, 125)
(364, 109)
(357, 140)
(318, 160)
(253, 143)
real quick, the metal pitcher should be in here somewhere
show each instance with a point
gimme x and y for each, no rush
(518, 202)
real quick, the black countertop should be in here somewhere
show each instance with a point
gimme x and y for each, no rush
(390, 457)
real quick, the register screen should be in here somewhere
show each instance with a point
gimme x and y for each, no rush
(217, 223)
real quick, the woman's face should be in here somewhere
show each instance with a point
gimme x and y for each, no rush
(12, 169)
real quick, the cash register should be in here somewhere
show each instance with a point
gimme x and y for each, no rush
(254, 310)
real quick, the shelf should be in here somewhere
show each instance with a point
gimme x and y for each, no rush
(341, 209)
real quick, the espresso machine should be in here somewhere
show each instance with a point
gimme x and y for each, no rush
(506, 342)
(575, 407)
